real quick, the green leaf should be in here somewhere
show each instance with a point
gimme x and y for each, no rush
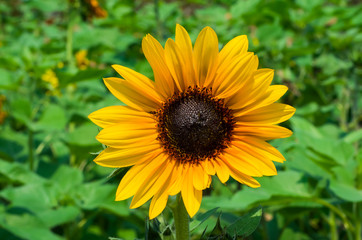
(53, 118)
(84, 135)
(21, 111)
(289, 234)
(288, 183)
(353, 136)
(218, 231)
(28, 227)
(200, 218)
(150, 231)
(35, 197)
(346, 192)
(67, 178)
(245, 225)
(61, 215)
(19, 173)
(167, 234)
(99, 195)
(7, 82)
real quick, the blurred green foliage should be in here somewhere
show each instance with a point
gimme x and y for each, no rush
(53, 55)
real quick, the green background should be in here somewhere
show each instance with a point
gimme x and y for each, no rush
(51, 189)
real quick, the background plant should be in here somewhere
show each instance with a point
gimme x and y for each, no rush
(53, 55)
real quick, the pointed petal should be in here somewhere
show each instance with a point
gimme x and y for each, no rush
(235, 47)
(221, 170)
(132, 95)
(117, 158)
(236, 75)
(206, 52)
(264, 149)
(191, 196)
(266, 132)
(155, 55)
(199, 177)
(242, 178)
(271, 114)
(179, 174)
(253, 91)
(122, 134)
(272, 94)
(241, 163)
(153, 183)
(209, 167)
(243, 158)
(158, 204)
(176, 64)
(132, 181)
(112, 115)
(137, 80)
(183, 42)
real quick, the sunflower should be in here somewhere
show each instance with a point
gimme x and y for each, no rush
(208, 112)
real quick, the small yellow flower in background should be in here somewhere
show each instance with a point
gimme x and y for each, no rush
(60, 65)
(50, 77)
(81, 59)
(96, 9)
(3, 114)
(209, 112)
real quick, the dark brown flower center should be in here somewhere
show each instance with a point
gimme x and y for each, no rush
(194, 126)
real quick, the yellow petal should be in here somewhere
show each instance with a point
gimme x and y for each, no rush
(155, 55)
(137, 80)
(242, 178)
(235, 77)
(271, 114)
(221, 170)
(117, 158)
(158, 204)
(133, 180)
(233, 48)
(264, 149)
(252, 91)
(183, 41)
(112, 115)
(241, 163)
(179, 174)
(199, 177)
(122, 134)
(267, 132)
(250, 156)
(153, 182)
(272, 94)
(206, 52)
(132, 95)
(177, 64)
(209, 167)
(190, 195)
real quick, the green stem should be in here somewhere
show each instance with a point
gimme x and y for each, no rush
(182, 219)
(358, 211)
(69, 40)
(31, 151)
(333, 226)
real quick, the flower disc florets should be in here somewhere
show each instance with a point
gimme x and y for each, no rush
(194, 126)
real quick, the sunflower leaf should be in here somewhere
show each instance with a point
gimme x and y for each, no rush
(245, 225)
(202, 218)
(218, 232)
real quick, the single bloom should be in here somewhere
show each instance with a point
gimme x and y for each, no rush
(208, 112)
